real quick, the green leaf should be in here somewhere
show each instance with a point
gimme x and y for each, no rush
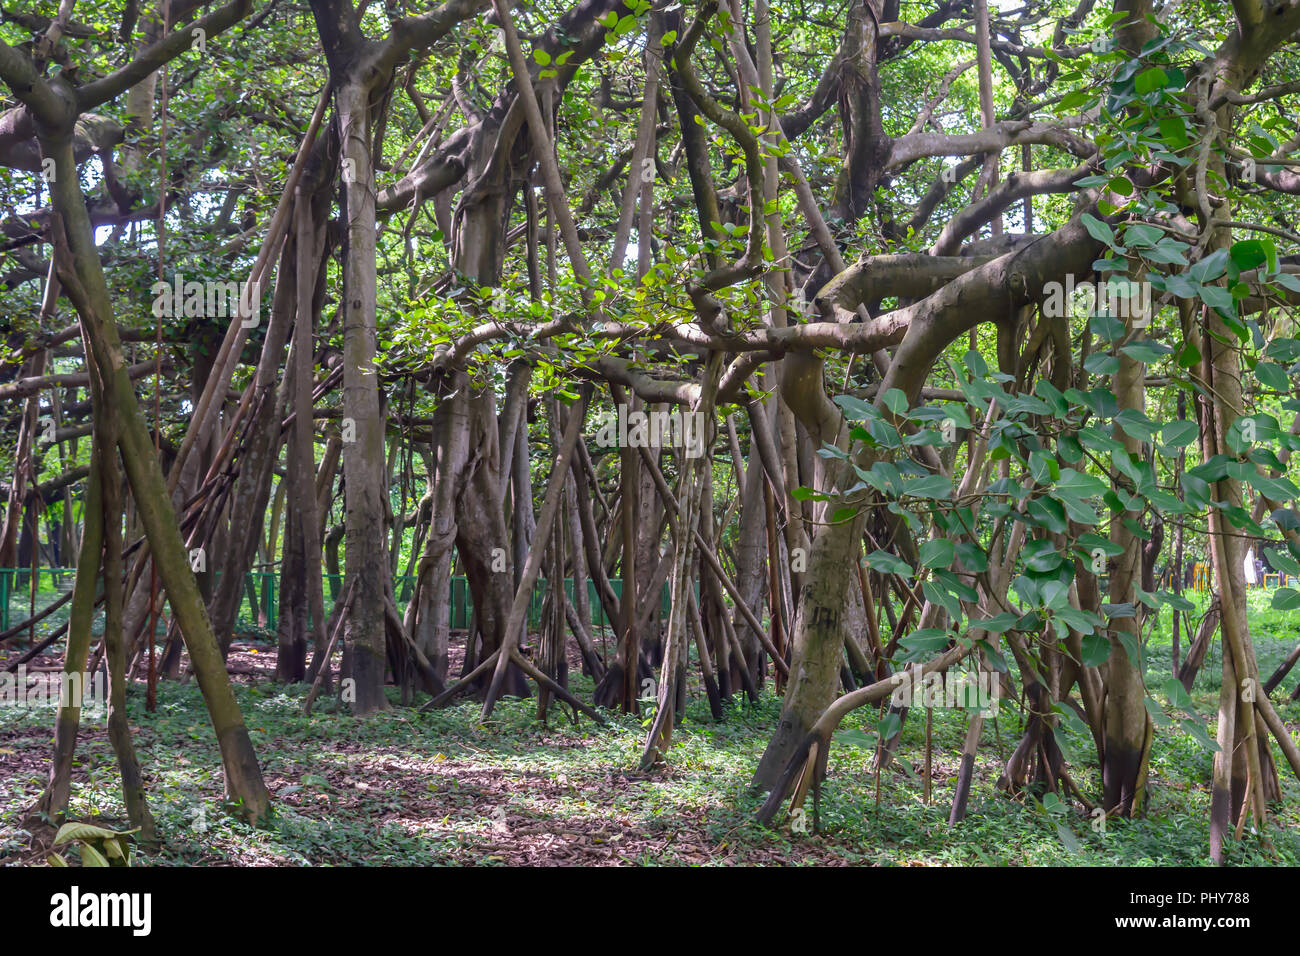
(1091, 542)
(998, 624)
(1096, 648)
(887, 563)
(1287, 281)
(1099, 363)
(894, 400)
(1146, 351)
(1175, 601)
(1050, 513)
(1068, 449)
(1136, 424)
(1286, 599)
(1148, 81)
(1279, 489)
(1217, 297)
(1085, 622)
(937, 553)
(1179, 433)
(1213, 470)
(995, 660)
(957, 413)
(1043, 468)
(926, 640)
(1074, 100)
(1196, 491)
(82, 831)
(955, 585)
(855, 409)
(1248, 254)
(1041, 556)
(1173, 131)
(1099, 230)
(1273, 376)
(853, 737)
(1080, 484)
(1189, 356)
(1285, 519)
(973, 557)
(1131, 648)
(92, 857)
(1209, 268)
(1197, 730)
(1158, 715)
(890, 725)
(542, 57)
(1107, 327)
(928, 486)
(1178, 695)
(1282, 560)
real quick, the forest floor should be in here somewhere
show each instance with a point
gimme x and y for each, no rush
(444, 788)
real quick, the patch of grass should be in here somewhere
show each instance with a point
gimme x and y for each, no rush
(445, 788)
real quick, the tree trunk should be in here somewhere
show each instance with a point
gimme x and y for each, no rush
(366, 492)
(84, 280)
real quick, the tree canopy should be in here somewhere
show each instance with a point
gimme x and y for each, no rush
(831, 350)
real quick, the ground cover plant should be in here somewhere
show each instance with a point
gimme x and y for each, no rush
(625, 431)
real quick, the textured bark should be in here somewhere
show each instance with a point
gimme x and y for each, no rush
(119, 728)
(689, 497)
(257, 459)
(481, 540)
(621, 685)
(84, 280)
(428, 613)
(22, 468)
(817, 639)
(54, 800)
(366, 488)
(310, 243)
(291, 625)
(580, 610)
(518, 606)
(750, 553)
(1126, 720)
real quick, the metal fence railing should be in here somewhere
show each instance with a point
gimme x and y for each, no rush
(259, 605)
(19, 600)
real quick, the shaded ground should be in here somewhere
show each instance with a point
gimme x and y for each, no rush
(440, 788)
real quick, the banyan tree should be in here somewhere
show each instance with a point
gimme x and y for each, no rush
(725, 348)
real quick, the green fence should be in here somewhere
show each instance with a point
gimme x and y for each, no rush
(18, 602)
(259, 605)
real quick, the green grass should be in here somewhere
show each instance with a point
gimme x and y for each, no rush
(442, 788)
